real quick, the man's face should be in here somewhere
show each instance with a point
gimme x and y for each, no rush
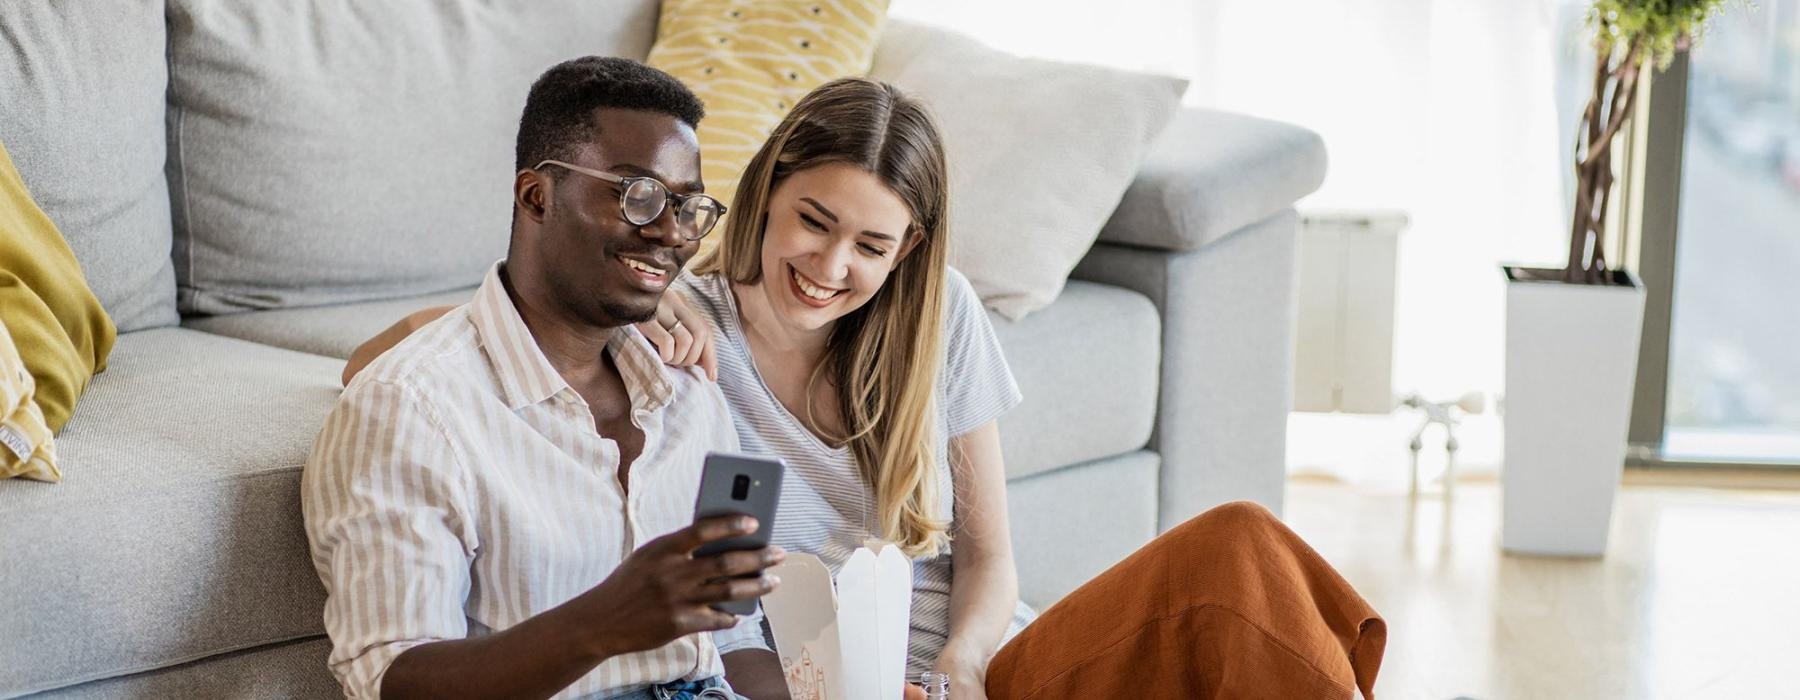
(602, 267)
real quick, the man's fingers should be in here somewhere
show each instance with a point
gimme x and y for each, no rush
(737, 563)
(914, 692)
(704, 619)
(735, 589)
(712, 529)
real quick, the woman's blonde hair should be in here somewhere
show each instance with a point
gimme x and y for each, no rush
(884, 357)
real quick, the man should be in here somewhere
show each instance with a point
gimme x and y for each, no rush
(499, 505)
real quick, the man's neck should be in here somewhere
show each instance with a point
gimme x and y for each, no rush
(575, 349)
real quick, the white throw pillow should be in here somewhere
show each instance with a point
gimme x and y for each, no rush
(1040, 153)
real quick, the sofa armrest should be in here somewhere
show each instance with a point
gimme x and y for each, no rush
(1211, 173)
(1226, 381)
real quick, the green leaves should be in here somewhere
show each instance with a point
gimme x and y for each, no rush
(1661, 27)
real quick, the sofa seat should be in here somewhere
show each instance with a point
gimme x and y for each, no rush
(1088, 367)
(1070, 524)
(332, 331)
(175, 533)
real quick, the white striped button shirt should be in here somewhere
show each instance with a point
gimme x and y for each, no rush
(460, 487)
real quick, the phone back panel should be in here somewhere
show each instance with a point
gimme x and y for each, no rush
(739, 485)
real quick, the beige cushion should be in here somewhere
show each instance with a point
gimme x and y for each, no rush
(1040, 153)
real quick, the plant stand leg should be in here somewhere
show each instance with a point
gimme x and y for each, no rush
(1415, 446)
(1449, 464)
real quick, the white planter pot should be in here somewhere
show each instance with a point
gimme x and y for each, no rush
(1571, 363)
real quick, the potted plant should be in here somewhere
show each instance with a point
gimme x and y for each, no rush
(1572, 333)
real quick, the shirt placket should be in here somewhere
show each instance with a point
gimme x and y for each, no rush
(608, 464)
(640, 480)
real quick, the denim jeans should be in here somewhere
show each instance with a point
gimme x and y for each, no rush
(713, 688)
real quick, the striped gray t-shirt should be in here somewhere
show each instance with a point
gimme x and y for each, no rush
(826, 510)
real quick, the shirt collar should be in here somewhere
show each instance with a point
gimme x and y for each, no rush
(525, 374)
(647, 379)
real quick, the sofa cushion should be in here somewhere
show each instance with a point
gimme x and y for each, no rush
(1039, 153)
(1070, 524)
(751, 62)
(1211, 173)
(59, 331)
(177, 529)
(288, 671)
(332, 331)
(1088, 367)
(328, 152)
(82, 115)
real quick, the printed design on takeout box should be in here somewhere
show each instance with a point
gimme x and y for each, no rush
(804, 680)
(843, 638)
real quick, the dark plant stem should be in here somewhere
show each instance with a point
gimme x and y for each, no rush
(1600, 124)
(1588, 130)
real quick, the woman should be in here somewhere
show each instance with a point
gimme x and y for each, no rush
(847, 346)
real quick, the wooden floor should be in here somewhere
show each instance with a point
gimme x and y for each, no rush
(1697, 597)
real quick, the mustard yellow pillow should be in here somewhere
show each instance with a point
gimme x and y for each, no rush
(57, 326)
(26, 448)
(750, 61)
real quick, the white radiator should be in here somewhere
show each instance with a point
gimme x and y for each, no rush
(1344, 345)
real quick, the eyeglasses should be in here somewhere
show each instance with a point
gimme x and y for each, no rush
(642, 199)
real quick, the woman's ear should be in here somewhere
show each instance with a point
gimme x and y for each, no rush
(914, 236)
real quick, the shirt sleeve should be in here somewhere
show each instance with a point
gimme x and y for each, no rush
(384, 503)
(978, 386)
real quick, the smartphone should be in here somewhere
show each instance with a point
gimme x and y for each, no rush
(739, 485)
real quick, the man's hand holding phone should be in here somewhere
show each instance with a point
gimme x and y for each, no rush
(664, 591)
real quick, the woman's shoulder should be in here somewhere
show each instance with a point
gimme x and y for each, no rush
(963, 309)
(959, 293)
(956, 283)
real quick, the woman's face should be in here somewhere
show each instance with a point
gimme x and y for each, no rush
(834, 233)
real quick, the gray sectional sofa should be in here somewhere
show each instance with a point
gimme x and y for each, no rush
(341, 167)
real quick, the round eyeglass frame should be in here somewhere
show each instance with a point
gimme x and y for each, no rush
(689, 230)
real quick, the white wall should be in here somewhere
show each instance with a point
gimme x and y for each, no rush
(1445, 109)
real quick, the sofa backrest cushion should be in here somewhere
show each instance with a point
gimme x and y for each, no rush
(57, 326)
(751, 63)
(328, 151)
(1040, 153)
(81, 109)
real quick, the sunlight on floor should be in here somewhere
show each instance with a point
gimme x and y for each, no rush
(1698, 596)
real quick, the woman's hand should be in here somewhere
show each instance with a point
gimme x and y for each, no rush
(681, 335)
(968, 676)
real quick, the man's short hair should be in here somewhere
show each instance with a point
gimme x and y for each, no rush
(559, 111)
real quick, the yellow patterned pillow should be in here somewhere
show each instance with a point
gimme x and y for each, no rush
(26, 448)
(750, 61)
